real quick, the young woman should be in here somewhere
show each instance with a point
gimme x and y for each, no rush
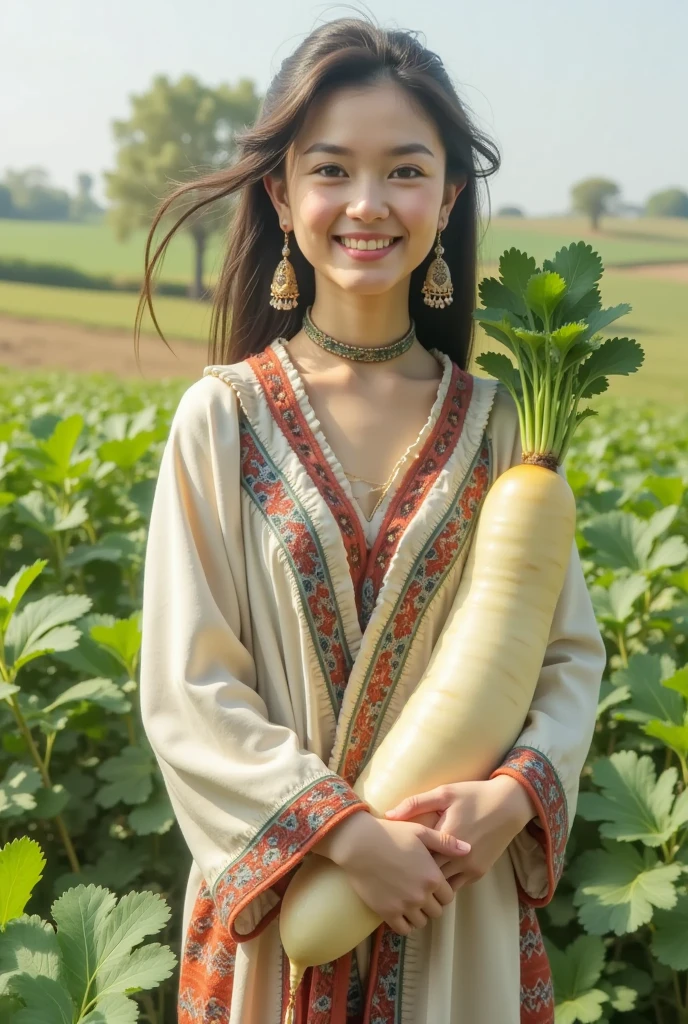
(313, 516)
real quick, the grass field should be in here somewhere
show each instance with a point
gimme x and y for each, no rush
(179, 318)
(94, 249)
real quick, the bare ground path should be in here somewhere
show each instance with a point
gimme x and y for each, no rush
(45, 344)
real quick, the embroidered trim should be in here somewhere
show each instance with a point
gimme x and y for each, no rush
(287, 412)
(536, 772)
(418, 479)
(386, 965)
(281, 844)
(537, 992)
(387, 662)
(298, 538)
(207, 967)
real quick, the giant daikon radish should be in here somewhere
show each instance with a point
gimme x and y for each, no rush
(470, 705)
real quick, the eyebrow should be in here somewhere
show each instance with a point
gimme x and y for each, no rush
(404, 150)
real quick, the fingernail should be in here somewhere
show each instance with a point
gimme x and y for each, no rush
(462, 846)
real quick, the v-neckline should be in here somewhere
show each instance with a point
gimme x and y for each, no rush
(279, 346)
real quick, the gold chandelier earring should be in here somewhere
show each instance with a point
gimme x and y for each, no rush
(438, 288)
(284, 290)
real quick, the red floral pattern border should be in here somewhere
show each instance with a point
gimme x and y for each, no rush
(207, 967)
(537, 992)
(536, 772)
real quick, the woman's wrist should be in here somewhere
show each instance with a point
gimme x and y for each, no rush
(335, 844)
(516, 801)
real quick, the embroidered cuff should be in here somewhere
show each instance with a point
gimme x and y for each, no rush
(249, 892)
(537, 852)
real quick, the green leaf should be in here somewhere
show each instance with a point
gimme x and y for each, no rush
(128, 451)
(80, 915)
(673, 551)
(7, 689)
(566, 335)
(619, 889)
(46, 1001)
(113, 1009)
(500, 366)
(21, 868)
(623, 541)
(634, 804)
(12, 593)
(129, 776)
(156, 816)
(136, 915)
(620, 356)
(575, 973)
(145, 968)
(50, 802)
(544, 292)
(651, 699)
(678, 682)
(669, 940)
(122, 639)
(17, 789)
(35, 510)
(28, 945)
(103, 692)
(669, 490)
(40, 627)
(674, 736)
(579, 266)
(515, 270)
(616, 605)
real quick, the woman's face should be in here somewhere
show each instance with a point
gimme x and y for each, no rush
(367, 165)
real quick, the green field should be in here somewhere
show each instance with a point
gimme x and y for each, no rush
(178, 318)
(93, 248)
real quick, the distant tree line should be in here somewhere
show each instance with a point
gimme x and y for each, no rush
(598, 197)
(29, 195)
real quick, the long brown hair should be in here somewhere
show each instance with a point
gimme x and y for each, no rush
(340, 53)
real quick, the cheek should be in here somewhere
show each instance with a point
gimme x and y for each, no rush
(317, 210)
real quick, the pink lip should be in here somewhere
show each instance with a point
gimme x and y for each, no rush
(367, 254)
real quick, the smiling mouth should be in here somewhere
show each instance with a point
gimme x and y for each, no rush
(366, 244)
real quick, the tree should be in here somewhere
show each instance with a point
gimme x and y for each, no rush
(33, 197)
(672, 202)
(590, 197)
(176, 131)
(510, 211)
(83, 206)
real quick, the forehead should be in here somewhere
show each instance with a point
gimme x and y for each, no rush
(367, 118)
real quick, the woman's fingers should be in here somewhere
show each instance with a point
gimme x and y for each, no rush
(416, 917)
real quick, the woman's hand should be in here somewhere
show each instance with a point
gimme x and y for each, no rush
(485, 814)
(391, 866)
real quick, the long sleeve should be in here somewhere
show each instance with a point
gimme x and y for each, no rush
(550, 752)
(249, 800)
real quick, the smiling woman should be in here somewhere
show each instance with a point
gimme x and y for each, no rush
(313, 519)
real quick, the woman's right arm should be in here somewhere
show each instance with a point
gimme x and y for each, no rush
(250, 801)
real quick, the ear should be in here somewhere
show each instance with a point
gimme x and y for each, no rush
(276, 188)
(451, 194)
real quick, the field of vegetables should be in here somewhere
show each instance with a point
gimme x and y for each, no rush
(78, 463)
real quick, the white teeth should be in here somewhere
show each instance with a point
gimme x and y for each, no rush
(370, 243)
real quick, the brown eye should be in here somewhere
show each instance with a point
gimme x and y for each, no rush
(407, 167)
(327, 167)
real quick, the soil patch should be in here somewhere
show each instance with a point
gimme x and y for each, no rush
(660, 271)
(48, 345)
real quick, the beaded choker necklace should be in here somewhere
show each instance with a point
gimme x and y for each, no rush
(362, 353)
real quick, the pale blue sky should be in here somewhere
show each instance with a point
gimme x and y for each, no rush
(567, 90)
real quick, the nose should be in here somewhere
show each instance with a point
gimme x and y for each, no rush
(367, 202)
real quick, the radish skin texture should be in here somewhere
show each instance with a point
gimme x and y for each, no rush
(473, 699)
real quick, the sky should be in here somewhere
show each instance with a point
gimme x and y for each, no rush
(566, 91)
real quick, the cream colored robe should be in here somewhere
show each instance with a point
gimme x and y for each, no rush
(277, 651)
